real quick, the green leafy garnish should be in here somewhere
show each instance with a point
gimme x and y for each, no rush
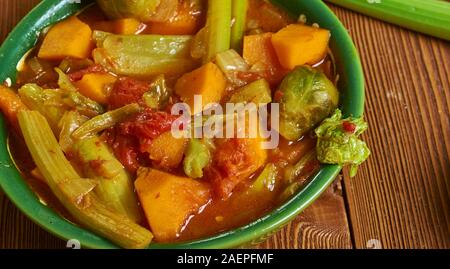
(338, 142)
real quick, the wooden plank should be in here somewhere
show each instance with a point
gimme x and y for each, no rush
(401, 195)
(323, 225)
(19, 232)
(11, 13)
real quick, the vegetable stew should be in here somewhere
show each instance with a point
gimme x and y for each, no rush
(97, 133)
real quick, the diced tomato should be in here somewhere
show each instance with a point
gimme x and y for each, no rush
(249, 77)
(127, 91)
(148, 124)
(131, 139)
(349, 127)
(278, 95)
(78, 75)
(232, 164)
(125, 148)
(274, 77)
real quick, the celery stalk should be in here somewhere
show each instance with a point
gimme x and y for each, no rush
(73, 98)
(105, 121)
(239, 13)
(291, 173)
(430, 17)
(48, 102)
(266, 180)
(197, 157)
(93, 157)
(72, 191)
(144, 56)
(218, 23)
(114, 184)
(230, 62)
(257, 92)
(71, 121)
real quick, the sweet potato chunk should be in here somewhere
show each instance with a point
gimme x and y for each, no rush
(127, 26)
(299, 44)
(93, 85)
(10, 105)
(168, 201)
(167, 151)
(258, 50)
(207, 81)
(68, 38)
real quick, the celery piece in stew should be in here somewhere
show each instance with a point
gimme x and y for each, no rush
(239, 13)
(105, 121)
(114, 183)
(72, 191)
(144, 56)
(218, 27)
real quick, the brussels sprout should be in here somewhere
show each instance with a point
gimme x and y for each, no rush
(139, 9)
(307, 98)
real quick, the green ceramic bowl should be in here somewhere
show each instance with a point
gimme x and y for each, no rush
(50, 11)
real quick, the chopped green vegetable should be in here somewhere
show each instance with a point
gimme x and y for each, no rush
(97, 162)
(74, 192)
(138, 9)
(54, 103)
(290, 191)
(257, 92)
(73, 98)
(218, 28)
(48, 102)
(99, 37)
(105, 121)
(429, 17)
(307, 98)
(71, 64)
(230, 62)
(197, 157)
(338, 141)
(144, 56)
(71, 121)
(114, 184)
(158, 95)
(239, 14)
(294, 176)
(266, 180)
(293, 172)
(198, 48)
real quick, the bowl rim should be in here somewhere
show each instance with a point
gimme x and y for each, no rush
(15, 187)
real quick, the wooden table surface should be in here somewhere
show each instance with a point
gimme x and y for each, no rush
(400, 197)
